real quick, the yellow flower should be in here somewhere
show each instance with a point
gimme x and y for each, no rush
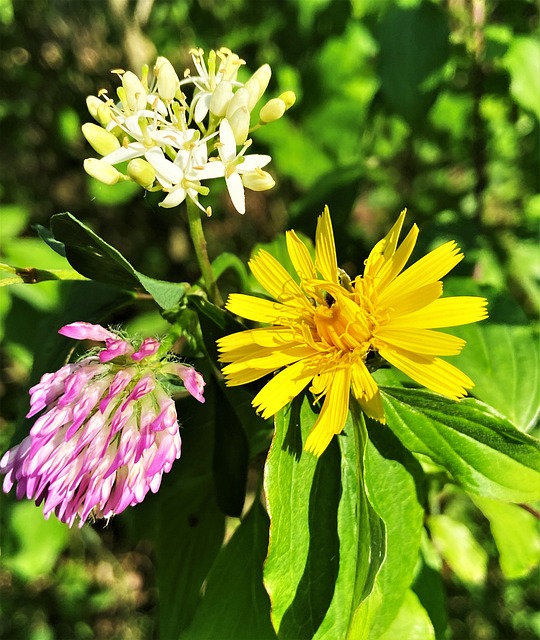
(327, 330)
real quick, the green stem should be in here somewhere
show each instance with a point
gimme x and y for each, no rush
(199, 243)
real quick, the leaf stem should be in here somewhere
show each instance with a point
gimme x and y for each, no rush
(199, 244)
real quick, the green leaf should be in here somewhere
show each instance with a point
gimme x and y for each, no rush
(482, 451)
(393, 483)
(229, 261)
(516, 535)
(413, 49)
(428, 586)
(411, 623)
(326, 541)
(235, 605)
(302, 494)
(230, 460)
(39, 541)
(94, 258)
(458, 547)
(504, 363)
(523, 63)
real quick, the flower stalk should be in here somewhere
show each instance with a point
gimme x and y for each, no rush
(199, 244)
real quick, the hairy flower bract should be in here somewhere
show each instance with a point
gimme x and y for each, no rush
(107, 429)
(326, 329)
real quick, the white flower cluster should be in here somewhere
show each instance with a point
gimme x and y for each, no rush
(172, 144)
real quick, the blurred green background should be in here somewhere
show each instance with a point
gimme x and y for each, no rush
(432, 105)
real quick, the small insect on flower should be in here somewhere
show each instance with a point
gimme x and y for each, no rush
(327, 330)
(107, 432)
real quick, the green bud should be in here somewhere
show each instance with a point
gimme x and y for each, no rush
(102, 171)
(272, 110)
(141, 172)
(102, 141)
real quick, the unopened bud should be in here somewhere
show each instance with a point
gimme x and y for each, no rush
(104, 115)
(102, 171)
(220, 98)
(102, 141)
(258, 180)
(92, 104)
(167, 79)
(289, 98)
(141, 172)
(272, 110)
(258, 84)
(239, 122)
(240, 99)
(135, 93)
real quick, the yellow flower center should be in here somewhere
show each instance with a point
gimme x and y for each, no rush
(343, 325)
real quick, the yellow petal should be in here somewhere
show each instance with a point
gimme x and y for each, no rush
(325, 248)
(259, 309)
(366, 391)
(275, 279)
(269, 359)
(384, 249)
(395, 264)
(333, 414)
(271, 337)
(373, 407)
(430, 268)
(433, 373)
(447, 312)
(300, 257)
(432, 343)
(414, 300)
(283, 387)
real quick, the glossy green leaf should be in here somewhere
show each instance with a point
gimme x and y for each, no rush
(394, 485)
(235, 605)
(481, 450)
(411, 623)
(326, 541)
(458, 547)
(504, 363)
(516, 535)
(523, 63)
(94, 258)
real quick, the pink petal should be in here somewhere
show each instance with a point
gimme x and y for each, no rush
(86, 331)
(115, 347)
(149, 347)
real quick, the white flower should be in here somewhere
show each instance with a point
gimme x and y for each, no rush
(207, 79)
(237, 166)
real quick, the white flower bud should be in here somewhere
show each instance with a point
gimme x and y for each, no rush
(258, 180)
(167, 79)
(102, 171)
(240, 99)
(239, 122)
(272, 110)
(258, 84)
(92, 104)
(134, 91)
(220, 98)
(102, 141)
(141, 172)
(104, 115)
